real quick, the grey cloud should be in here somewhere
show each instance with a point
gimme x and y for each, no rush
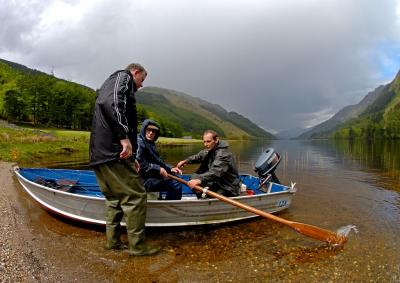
(280, 63)
(18, 19)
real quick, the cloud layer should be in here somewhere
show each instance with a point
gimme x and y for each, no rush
(283, 64)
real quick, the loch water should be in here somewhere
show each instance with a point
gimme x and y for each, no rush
(339, 183)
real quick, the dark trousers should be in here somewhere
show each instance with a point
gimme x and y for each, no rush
(169, 189)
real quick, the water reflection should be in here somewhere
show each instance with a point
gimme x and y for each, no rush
(340, 183)
(75, 160)
(380, 157)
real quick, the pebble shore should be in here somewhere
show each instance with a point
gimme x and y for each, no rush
(21, 259)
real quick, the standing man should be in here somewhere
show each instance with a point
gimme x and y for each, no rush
(112, 155)
(217, 169)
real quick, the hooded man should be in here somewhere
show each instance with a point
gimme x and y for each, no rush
(153, 170)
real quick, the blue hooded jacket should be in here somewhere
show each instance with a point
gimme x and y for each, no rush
(147, 154)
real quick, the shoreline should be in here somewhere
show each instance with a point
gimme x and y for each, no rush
(25, 255)
(20, 143)
(19, 258)
(23, 143)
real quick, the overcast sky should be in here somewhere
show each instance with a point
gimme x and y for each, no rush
(282, 63)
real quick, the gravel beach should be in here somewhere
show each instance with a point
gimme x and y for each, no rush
(21, 258)
(24, 257)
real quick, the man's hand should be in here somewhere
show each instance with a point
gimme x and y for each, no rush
(193, 183)
(163, 172)
(181, 163)
(126, 149)
(176, 170)
(136, 166)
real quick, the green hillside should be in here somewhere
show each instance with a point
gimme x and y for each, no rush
(381, 119)
(33, 97)
(39, 99)
(228, 124)
(8, 76)
(326, 128)
(175, 121)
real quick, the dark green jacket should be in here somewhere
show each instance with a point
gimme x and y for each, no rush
(217, 169)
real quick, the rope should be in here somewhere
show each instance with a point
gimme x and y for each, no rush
(204, 194)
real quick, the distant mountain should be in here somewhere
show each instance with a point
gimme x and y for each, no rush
(345, 114)
(377, 115)
(289, 133)
(32, 96)
(196, 115)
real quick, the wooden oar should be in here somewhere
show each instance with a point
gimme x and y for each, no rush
(314, 232)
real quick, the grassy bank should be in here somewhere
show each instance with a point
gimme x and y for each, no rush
(17, 143)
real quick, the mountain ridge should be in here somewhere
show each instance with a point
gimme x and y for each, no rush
(377, 115)
(345, 114)
(230, 124)
(32, 96)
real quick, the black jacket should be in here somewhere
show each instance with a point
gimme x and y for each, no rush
(114, 118)
(147, 154)
(217, 168)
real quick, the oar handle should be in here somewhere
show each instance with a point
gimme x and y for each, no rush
(305, 229)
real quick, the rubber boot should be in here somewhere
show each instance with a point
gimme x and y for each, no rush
(141, 248)
(113, 237)
(135, 230)
(113, 228)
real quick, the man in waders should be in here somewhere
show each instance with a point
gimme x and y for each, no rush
(113, 143)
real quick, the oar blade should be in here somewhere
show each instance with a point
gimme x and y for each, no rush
(321, 234)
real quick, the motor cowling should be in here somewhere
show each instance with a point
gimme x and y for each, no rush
(267, 162)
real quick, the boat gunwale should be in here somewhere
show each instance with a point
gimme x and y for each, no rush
(27, 184)
(240, 197)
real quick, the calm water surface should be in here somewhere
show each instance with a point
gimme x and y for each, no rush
(339, 183)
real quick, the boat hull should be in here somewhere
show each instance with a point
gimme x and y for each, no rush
(188, 211)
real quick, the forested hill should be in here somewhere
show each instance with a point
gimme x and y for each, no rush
(376, 116)
(192, 115)
(34, 97)
(37, 98)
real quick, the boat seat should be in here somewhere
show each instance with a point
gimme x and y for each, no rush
(59, 184)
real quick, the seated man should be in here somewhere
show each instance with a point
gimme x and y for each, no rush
(217, 167)
(153, 169)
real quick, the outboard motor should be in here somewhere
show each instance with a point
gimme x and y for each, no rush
(266, 165)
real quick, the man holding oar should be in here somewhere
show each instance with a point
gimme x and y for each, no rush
(153, 169)
(217, 169)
